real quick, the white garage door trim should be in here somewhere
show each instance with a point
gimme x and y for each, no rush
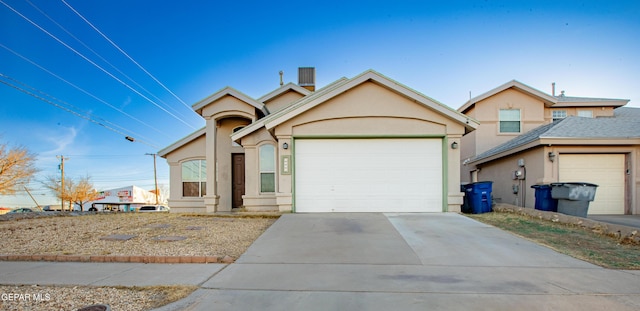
(368, 175)
(605, 170)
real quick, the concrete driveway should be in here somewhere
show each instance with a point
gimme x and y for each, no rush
(625, 220)
(407, 262)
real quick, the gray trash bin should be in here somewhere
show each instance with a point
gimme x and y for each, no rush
(573, 197)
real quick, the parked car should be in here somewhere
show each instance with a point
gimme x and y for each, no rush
(154, 208)
(22, 210)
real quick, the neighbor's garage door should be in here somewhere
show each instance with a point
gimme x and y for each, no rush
(605, 170)
(368, 175)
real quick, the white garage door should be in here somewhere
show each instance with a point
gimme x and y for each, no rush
(368, 175)
(604, 170)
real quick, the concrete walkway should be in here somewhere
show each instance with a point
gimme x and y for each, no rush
(369, 262)
(407, 262)
(104, 274)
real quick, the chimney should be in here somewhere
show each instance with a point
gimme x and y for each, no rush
(307, 78)
(553, 89)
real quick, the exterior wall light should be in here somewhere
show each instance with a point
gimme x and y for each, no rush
(552, 156)
(285, 146)
(454, 145)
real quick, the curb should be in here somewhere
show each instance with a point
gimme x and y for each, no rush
(118, 258)
(620, 232)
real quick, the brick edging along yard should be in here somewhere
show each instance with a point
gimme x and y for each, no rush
(120, 258)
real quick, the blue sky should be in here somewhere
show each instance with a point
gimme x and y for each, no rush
(445, 49)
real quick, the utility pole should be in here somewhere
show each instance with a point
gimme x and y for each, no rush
(155, 175)
(62, 158)
(32, 198)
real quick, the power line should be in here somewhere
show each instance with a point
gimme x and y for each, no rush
(61, 107)
(101, 120)
(100, 56)
(125, 54)
(96, 65)
(81, 89)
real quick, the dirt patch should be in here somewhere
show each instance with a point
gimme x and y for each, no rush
(118, 237)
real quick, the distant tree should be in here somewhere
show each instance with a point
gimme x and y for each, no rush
(82, 191)
(17, 166)
(164, 193)
(78, 191)
(52, 183)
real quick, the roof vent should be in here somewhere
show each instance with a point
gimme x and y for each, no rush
(307, 78)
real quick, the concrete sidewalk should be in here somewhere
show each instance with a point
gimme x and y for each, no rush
(105, 274)
(407, 262)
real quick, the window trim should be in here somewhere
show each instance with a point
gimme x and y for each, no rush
(262, 171)
(558, 118)
(500, 120)
(583, 111)
(202, 180)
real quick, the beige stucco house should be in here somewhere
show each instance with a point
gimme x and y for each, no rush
(365, 144)
(528, 137)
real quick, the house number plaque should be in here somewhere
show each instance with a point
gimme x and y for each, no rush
(285, 167)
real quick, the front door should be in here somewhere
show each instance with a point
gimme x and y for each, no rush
(237, 179)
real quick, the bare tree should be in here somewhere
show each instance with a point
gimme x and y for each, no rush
(83, 192)
(164, 193)
(78, 191)
(52, 183)
(17, 166)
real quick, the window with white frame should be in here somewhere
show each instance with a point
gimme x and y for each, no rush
(509, 120)
(194, 178)
(267, 168)
(585, 113)
(558, 115)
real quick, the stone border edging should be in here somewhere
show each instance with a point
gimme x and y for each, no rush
(620, 232)
(119, 258)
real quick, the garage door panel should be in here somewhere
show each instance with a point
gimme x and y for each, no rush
(368, 175)
(605, 170)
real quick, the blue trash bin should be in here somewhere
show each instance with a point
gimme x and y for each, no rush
(478, 195)
(465, 201)
(544, 200)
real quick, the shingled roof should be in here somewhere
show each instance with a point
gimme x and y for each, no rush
(625, 124)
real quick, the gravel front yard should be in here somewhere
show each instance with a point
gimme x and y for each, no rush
(66, 298)
(155, 234)
(151, 234)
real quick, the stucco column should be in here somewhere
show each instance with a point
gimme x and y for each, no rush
(211, 199)
(284, 165)
(454, 196)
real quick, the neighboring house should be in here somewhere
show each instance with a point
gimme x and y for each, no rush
(528, 137)
(365, 144)
(122, 199)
